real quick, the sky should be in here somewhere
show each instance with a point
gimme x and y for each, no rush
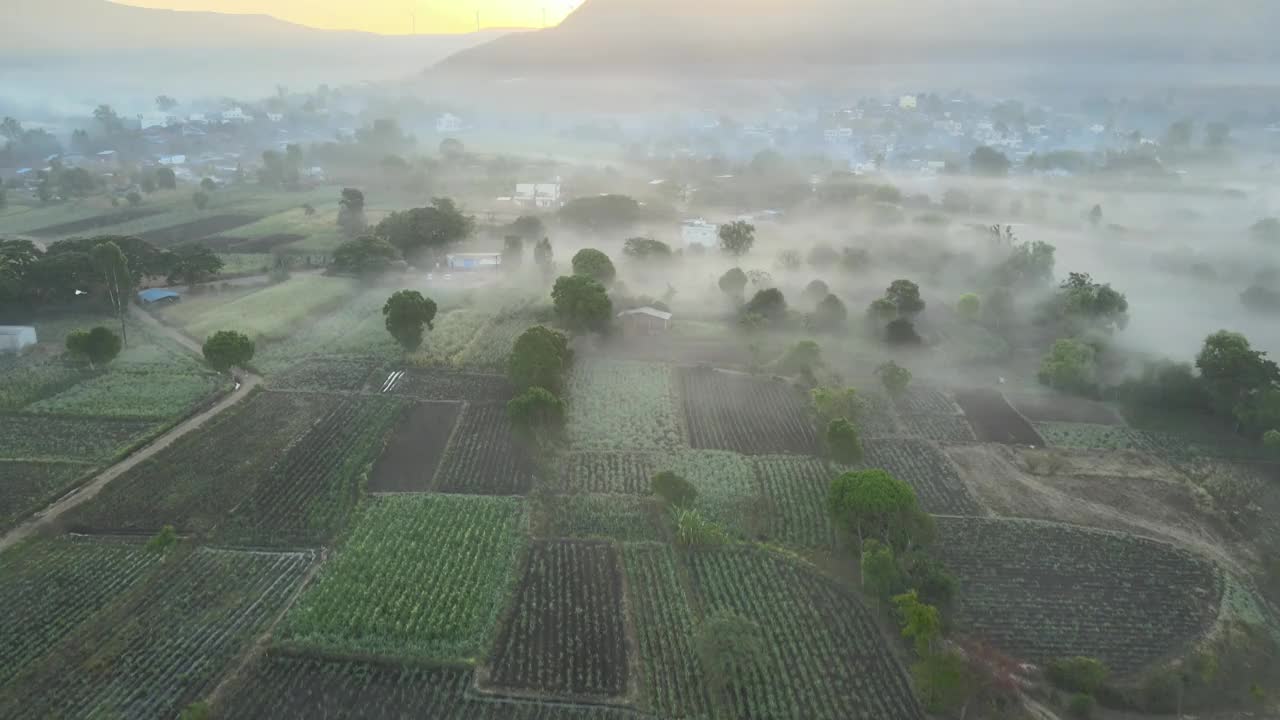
(388, 16)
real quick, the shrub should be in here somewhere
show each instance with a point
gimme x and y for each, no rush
(843, 442)
(675, 490)
(695, 531)
(728, 647)
(1077, 674)
(226, 349)
(536, 408)
(733, 282)
(1081, 705)
(163, 540)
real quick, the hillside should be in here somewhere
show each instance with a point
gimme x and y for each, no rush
(656, 35)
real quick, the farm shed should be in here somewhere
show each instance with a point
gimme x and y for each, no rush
(645, 319)
(474, 261)
(157, 295)
(14, 338)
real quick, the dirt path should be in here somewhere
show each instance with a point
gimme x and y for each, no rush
(87, 491)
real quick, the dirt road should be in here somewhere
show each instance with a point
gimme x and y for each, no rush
(87, 491)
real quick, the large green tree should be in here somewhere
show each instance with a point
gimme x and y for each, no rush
(595, 265)
(872, 503)
(601, 213)
(226, 349)
(192, 263)
(733, 283)
(539, 358)
(647, 249)
(737, 237)
(842, 441)
(98, 346)
(420, 233)
(582, 303)
(113, 270)
(366, 255)
(1070, 366)
(1234, 373)
(407, 314)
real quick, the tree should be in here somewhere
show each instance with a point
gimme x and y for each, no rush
(831, 403)
(536, 409)
(842, 441)
(528, 227)
(164, 103)
(998, 310)
(674, 490)
(1029, 264)
(163, 540)
(226, 349)
(880, 575)
(969, 307)
(166, 179)
(512, 252)
(989, 162)
(594, 264)
(768, 304)
(729, 647)
(405, 314)
(814, 292)
(921, 622)
(601, 213)
(901, 332)
(894, 377)
(110, 264)
(905, 296)
(1234, 372)
(1095, 215)
(872, 503)
(109, 120)
(648, 249)
(1085, 302)
(191, 263)
(133, 198)
(544, 256)
(582, 303)
(539, 358)
(882, 311)
(98, 346)
(1266, 230)
(1070, 366)
(201, 199)
(366, 255)
(351, 212)
(430, 229)
(737, 237)
(208, 185)
(452, 148)
(946, 681)
(733, 282)
(830, 315)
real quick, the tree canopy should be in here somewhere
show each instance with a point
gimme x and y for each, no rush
(642, 248)
(582, 303)
(406, 314)
(843, 442)
(1234, 372)
(871, 503)
(768, 304)
(420, 231)
(536, 410)
(733, 282)
(601, 213)
(830, 315)
(1090, 305)
(192, 263)
(226, 349)
(1070, 366)
(989, 162)
(894, 377)
(366, 255)
(594, 264)
(539, 358)
(737, 237)
(98, 346)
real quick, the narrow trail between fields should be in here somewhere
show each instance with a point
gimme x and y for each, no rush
(248, 381)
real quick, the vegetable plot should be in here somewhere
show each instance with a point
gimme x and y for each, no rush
(745, 415)
(927, 470)
(565, 634)
(420, 576)
(411, 458)
(1041, 591)
(140, 395)
(610, 517)
(797, 490)
(622, 406)
(29, 486)
(30, 437)
(485, 457)
(618, 473)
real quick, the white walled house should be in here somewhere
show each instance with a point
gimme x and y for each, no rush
(16, 338)
(540, 195)
(700, 232)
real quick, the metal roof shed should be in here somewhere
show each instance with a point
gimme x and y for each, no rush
(15, 338)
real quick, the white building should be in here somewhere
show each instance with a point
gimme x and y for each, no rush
(541, 195)
(645, 320)
(448, 123)
(700, 232)
(907, 102)
(172, 160)
(235, 115)
(275, 117)
(16, 338)
(839, 134)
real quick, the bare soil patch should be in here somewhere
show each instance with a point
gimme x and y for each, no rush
(1063, 408)
(263, 244)
(196, 229)
(412, 456)
(93, 223)
(994, 420)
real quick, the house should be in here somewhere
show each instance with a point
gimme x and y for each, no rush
(158, 296)
(541, 195)
(106, 157)
(275, 117)
(907, 102)
(474, 261)
(235, 115)
(700, 232)
(172, 160)
(646, 320)
(448, 123)
(16, 338)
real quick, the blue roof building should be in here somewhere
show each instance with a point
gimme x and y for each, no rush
(158, 295)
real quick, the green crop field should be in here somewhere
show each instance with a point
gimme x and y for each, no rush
(138, 395)
(29, 486)
(607, 517)
(35, 437)
(797, 490)
(617, 406)
(166, 646)
(419, 577)
(271, 313)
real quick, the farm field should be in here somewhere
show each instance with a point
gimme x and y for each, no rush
(29, 486)
(281, 685)
(412, 455)
(728, 492)
(927, 470)
(133, 395)
(58, 438)
(994, 420)
(565, 634)
(797, 490)
(674, 682)
(924, 400)
(939, 428)
(271, 313)
(485, 458)
(826, 659)
(308, 496)
(1063, 409)
(195, 483)
(617, 473)
(452, 386)
(616, 406)
(1073, 591)
(166, 647)
(325, 375)
(420, 577)
(52, 586)
(605, 517)
(745, 415)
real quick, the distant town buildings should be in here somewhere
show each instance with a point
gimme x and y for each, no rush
(539, 195)
(700, 232)
(448, 123)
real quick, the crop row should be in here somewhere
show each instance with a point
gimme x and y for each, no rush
(744, 414)
(418, 577)
(452, 333)
(166, 647)
(665, 625)
(819, 653)
(309, 494)
(28, 379)
(283, 685)
(622, 406)
(565, 633)
(485, 458)
(797, 489)
(610, 517)
(412, 456)
(927, 470)
(29, 486)
(33, 437)
(619, 473)
(196, 482)
(491, 349)
(347, 374)
(440, 385)
(939, 428)
(1069, 591)
(919, 400)
(132, 394)
(52, 586)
